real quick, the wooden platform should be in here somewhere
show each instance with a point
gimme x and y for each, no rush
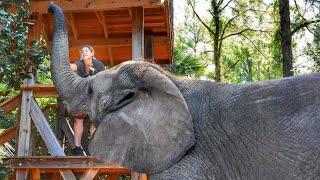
(108, 26)
(85, 166)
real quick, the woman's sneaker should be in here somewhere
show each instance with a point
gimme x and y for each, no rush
(77, 151)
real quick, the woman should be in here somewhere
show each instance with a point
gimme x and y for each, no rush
(88, 65)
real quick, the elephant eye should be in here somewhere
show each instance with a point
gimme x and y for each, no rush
(127, 97)
(90, 91)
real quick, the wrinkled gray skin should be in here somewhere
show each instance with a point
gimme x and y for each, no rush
(150, 121)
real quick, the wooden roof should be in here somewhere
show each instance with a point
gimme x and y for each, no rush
(107, 26)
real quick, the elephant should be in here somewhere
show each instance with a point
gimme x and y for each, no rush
(170, 127)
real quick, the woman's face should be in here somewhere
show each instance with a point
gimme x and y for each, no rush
(86, 54)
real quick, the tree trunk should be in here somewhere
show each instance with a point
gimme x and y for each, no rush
(285, 35)
(216, 49)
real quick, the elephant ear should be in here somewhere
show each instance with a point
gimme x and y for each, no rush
(151, 133)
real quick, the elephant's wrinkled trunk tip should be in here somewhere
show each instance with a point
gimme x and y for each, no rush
(52, 7)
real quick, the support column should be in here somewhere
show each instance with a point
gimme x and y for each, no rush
(59, 118)
(24, 142)
(149, 47)
(137, 33)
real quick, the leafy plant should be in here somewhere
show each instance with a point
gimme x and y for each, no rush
(19, 56)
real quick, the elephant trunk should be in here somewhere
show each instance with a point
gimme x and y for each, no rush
(67, 82)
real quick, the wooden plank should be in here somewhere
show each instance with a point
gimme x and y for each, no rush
(34, 31)
(113, 42)
(24, 142)
(129, 25)
(112, 176)
(149, 47)
(67, 162)
(87, 5)
(8, 134)
(35, 174)
(11, 104)
(22, 174)
(168, 9)
(137, 33)
(45, 130)
(138, 176)
(42, 90)
(102, 20)
(110, 56)
(68, 132)
(48, 136)
(73, 25)
(67, 174)
(89, 174)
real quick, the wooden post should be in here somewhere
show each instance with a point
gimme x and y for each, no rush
(112, 176)
(59, 118)
(35, 174)
(89, 174)
(48, 136)
(149, 47)
(138, 176)
(137, 33)
(68, 131)
(24, 142)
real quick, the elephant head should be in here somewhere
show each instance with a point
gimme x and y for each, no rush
(142, 119)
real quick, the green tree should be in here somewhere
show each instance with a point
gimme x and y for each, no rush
(18, 56)
(188, 59)
(314, 48)
(222, 27)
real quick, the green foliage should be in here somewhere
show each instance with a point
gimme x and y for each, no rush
(187, 55)
(18, 56)
(314, 48)
(184, 63)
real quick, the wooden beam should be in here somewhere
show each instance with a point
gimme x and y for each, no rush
(25, 120)
(42, 90)
(34, 32)
(63, 162)
(129, 25)
(168, 9)
(102, 20)
(110, 56)
(73, 26)
(89, 174)
(112, 176)
(11, 104)
(149, 47)
(48, 136)
(112, 42)
(45, 130)
(138, 176)
(137, 33)
(101, 42)
(24, 142)
(130, 12)
(45, 33)
(68, 132)
(35, 174)
(8, 134)
(88, 5)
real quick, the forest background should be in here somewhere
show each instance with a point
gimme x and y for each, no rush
(231, 41)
